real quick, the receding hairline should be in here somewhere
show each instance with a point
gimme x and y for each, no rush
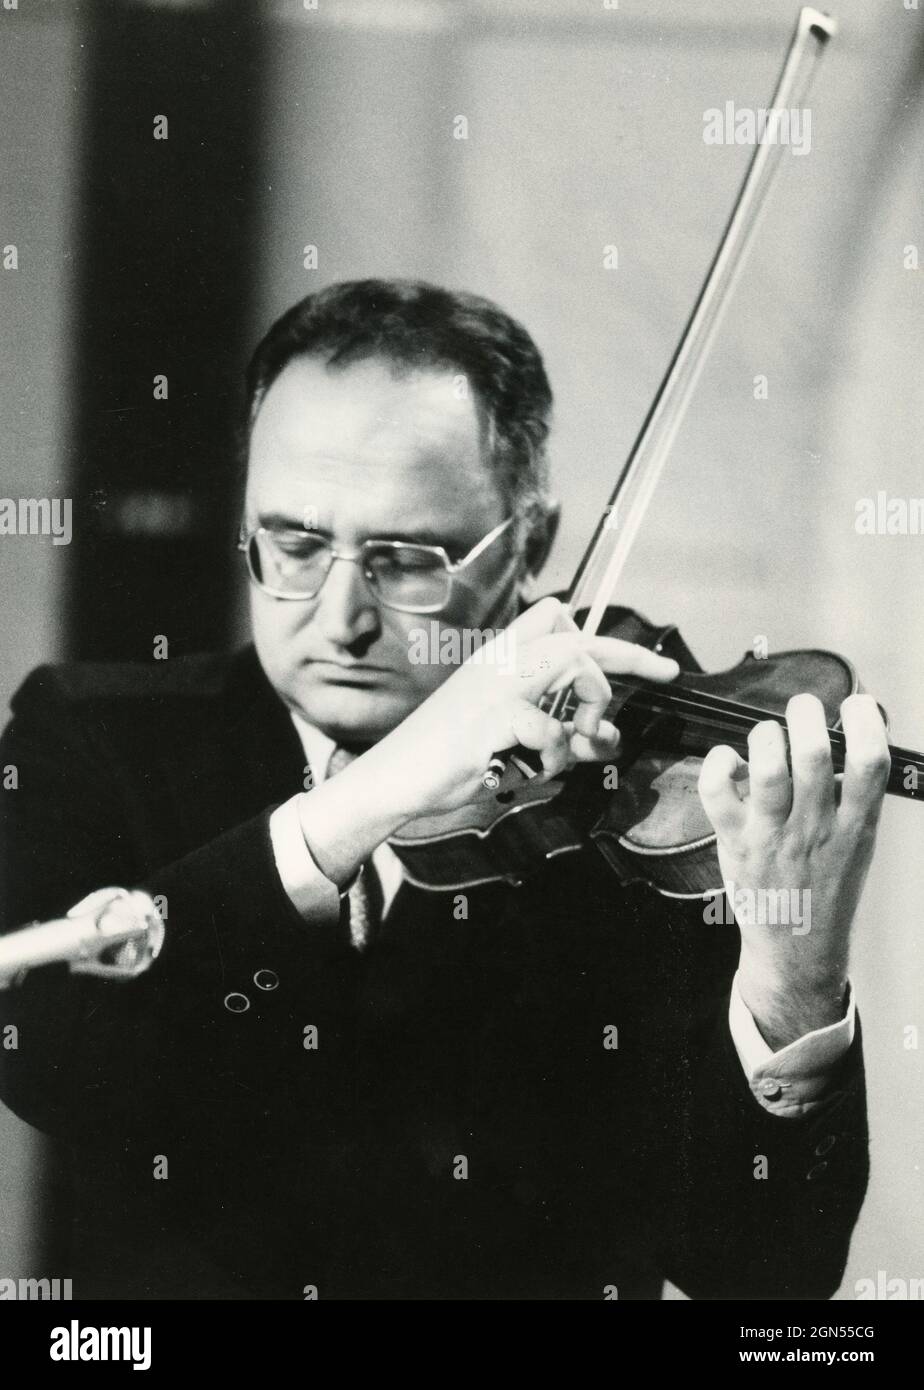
(399, 367)
(416, 327)
(399, 370)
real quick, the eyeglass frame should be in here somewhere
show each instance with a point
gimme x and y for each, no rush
(451, 567)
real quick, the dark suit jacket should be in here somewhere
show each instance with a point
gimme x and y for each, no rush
(479, 1038)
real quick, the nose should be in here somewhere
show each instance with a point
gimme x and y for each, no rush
(346, 609)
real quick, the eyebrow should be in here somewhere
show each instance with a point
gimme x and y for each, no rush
(280, 521)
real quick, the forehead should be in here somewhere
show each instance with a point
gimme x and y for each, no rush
(383, 446)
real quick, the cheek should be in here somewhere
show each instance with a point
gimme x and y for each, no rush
(274, 626)
(464, 607)
(494, 605)
(402, 640)
(425, 678)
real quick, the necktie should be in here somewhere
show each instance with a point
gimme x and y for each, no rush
(366, 898)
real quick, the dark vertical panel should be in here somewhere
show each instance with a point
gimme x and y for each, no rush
(165, 274)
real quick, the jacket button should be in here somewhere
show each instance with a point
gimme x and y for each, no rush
(237, 1003)
(826, 1145)
(770, 1089)
(817, 1171)
(266, 979)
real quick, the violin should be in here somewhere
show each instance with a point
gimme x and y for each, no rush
(643, 812)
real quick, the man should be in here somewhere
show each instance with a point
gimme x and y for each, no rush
(332, 1083)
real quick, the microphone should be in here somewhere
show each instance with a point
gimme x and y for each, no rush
(123, 926)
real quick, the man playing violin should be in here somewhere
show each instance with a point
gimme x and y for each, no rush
(569, 1088)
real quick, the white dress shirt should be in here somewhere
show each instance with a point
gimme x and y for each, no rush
(790, 1082)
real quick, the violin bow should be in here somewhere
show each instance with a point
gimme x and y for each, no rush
(604, 559)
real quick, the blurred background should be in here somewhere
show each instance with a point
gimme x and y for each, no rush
(335, 126)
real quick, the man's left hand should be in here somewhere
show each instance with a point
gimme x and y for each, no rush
(805, 835)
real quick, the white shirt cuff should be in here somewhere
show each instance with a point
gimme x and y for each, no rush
(793, 1081)
(310, 892)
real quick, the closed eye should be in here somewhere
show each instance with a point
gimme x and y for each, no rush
(295, 543)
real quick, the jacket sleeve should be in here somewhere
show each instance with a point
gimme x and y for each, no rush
(153, 1057)
(752, 1205)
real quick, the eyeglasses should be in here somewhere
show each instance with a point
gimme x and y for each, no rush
(402, 575)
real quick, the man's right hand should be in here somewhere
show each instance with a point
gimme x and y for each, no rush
(435, 759)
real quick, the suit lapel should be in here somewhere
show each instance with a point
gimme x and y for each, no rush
(260, 735)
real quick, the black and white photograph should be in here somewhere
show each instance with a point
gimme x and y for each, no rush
(461, 590)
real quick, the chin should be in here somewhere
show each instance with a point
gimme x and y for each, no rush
(350, 713)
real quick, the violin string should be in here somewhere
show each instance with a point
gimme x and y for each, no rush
(900, 757)
(727, 714)
(659, 699)
(731, 715)
(698, 701)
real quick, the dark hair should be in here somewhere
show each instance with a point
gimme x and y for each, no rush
(415, 326)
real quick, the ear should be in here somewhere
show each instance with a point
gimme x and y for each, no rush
(538, 547)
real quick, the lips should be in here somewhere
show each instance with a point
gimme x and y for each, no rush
(351, 673)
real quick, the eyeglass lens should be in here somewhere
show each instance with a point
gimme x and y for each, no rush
(403, 574)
